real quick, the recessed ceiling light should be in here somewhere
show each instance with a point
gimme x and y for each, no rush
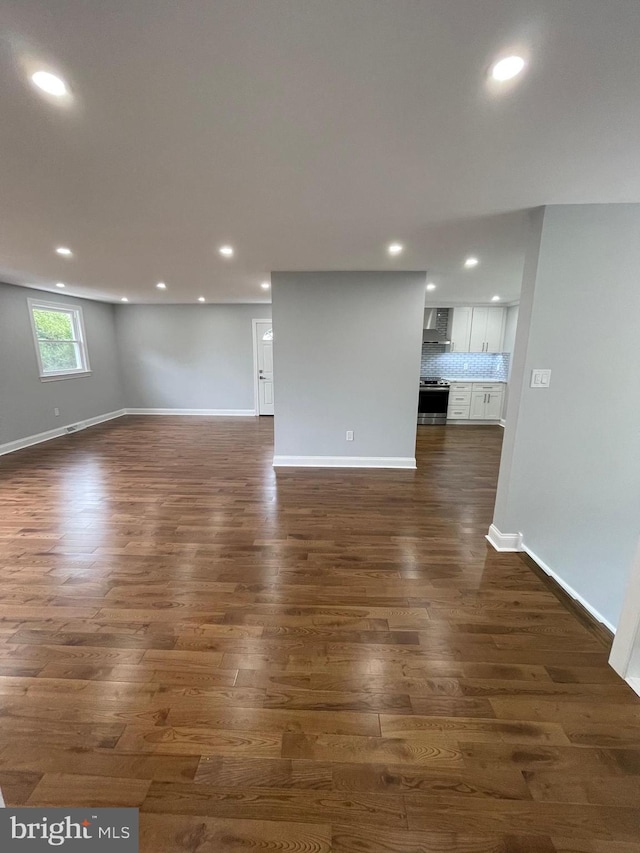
(471, 262)
(495, 299)
(431, 286)
(60, 284)
(227, 251)
(63, 250)
(201, 299)
(395, 248)
(50, 84)
(507, 68)
(161, 285)
(265, 285)
(124, 299)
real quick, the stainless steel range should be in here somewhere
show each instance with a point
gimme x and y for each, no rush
(433, 400)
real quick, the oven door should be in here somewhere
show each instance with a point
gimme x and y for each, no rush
(432, 405)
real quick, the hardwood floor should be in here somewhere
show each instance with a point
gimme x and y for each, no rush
(306, 662)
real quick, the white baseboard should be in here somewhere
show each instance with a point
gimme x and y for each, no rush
(468, 422)
(38, 438)
(344, 462)
(68, 429)
(568, 589)
(504, 541)
(513, 542)
(503, 422)
(634, 684)
(223, 413)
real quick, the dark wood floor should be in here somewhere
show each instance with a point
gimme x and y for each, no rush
(305, 662)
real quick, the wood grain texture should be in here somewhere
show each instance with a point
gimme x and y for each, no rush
(314, 661)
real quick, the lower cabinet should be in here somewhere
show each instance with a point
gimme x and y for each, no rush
(475, 401)
(486, 406)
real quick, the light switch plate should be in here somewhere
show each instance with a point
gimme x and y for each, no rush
(349, 435)
(540, 378)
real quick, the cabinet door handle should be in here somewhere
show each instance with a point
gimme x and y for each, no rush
(485, 398)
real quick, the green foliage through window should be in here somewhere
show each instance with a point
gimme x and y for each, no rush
(59, 339)
(53, 325)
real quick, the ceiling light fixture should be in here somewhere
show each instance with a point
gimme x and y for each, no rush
(201, 299)
(124, 299)
(226, 251)
(507, 68)
(60, 284)
(495, 299)
(63, 250)
(161, 285)
(395, 248)
(265, 285)
(431, 286)
(49, 83)
(471, 262)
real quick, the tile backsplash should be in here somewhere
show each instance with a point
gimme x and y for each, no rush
(436, 361)
(465, 365)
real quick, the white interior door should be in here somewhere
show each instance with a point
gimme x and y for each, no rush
(264, 360)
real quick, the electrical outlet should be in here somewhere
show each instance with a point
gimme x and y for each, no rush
(56, 412)
(349, 435)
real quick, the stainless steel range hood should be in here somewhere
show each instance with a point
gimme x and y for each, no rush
(431, 334)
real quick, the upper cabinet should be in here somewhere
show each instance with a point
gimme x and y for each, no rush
(477, 329)
(460, 329)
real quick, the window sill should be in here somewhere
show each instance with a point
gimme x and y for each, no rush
(56, 376)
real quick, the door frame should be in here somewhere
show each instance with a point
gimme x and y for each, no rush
(625, 651)
(254, 337)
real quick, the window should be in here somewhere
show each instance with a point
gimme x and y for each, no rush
(61, 347)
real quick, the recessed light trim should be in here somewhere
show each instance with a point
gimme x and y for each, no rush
(50, 83)
(226, 251)
(507, 68)
(471, 262)
(161, 285)
(495, 299)
(431, 286)
(265, 285)
(201, 299)
(395, 249)
(65, 251)
(60, 284)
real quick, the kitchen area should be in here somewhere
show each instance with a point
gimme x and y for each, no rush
(466, 355)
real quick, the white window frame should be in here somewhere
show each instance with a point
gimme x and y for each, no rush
(81, 339)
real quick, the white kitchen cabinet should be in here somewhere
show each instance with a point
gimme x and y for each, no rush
(495, 329)
(460, 329)
(493, 407)
(487, 330)
(458, 413)
(486, 405)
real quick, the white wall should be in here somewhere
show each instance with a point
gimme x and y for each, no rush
(347, 351)
(570, 473)
(188, 356)
(26, 402)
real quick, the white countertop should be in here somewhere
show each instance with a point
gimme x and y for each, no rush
(474, 379)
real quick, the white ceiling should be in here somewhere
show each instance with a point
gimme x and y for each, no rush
(306, 133)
